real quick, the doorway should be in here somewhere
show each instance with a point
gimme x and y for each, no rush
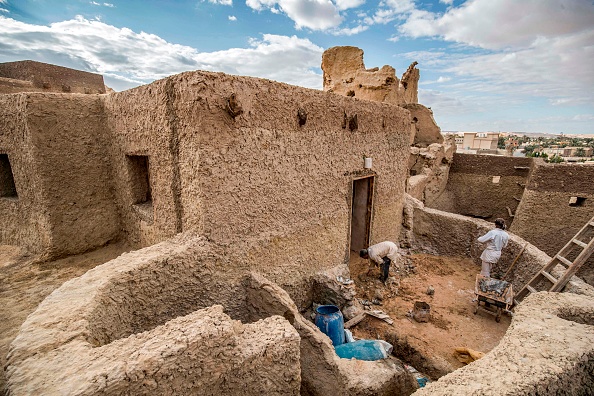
(361, 213)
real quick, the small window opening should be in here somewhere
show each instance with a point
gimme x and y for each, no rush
(140, 186)
(7, 186)
(577, 201)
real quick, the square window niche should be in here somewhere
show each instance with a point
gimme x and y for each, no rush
(7, 186)
(140, 186)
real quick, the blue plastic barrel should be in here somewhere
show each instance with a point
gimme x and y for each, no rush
(329, 320)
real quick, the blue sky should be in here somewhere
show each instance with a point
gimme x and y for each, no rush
(486, 65)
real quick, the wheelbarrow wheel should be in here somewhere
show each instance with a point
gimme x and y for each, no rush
(498, 317)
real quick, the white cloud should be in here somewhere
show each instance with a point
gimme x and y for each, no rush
(222, 2)
(440, 80)
(232, 17)
(448, 2)
(510, 58)
(346, 4)
(583, 117)
(128, 58)
(4, 10)
(497, 24)
(350, 31)
(3, 1)
(311, 14)
(389, 10)
(110, 5)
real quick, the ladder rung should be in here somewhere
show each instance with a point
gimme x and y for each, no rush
(564, 260)
(579, 243)
(532, 290)
(516, 302)
(549, 276)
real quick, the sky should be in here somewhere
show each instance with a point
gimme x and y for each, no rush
(486, 65)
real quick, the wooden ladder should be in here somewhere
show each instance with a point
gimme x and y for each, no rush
(544, 281)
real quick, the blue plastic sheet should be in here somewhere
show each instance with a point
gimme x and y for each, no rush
(362, 350)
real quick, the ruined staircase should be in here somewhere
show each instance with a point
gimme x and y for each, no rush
(545, 281)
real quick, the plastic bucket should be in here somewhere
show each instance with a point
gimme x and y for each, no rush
(329, 320)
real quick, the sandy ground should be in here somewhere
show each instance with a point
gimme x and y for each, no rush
(429, 346)
(24, 283)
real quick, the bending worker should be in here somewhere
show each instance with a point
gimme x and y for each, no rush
(382, 254)
(497, 239)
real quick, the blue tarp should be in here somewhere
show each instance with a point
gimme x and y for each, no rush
(362, 350)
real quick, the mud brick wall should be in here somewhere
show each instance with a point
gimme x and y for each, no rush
(545, 217)
(470, 190)
(52, 78)
(258, 183)
(57, 147)
(23, 216)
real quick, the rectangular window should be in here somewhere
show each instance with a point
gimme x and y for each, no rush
(7, 186)
(577, 201)
(140, 186)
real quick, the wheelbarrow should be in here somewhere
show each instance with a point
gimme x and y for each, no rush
(496, 296)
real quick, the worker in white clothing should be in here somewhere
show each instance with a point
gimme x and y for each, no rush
(497, 239)
(382, 254)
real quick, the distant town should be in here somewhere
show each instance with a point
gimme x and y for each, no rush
(551, 148)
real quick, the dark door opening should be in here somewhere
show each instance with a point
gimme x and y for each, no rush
(361, 213)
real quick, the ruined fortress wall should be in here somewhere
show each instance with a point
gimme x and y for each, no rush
(258, 183)
(545, 216)
(24, 219)
(472, 189)
(52, 78)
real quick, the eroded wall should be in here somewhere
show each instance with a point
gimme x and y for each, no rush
(484, 186)
(57, 147)
(23, 217)
(345, 74)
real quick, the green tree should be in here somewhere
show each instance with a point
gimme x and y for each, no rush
(555, 159)
(580, 152)
(501, 142)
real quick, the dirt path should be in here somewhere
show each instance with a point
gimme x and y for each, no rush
(24, 284)
(428, 346)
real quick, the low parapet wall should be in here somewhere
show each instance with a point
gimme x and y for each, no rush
(174, 319)
(143, 324)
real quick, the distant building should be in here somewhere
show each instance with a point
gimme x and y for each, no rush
(478, 141)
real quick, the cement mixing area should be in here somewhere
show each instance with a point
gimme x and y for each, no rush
(201, 235)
